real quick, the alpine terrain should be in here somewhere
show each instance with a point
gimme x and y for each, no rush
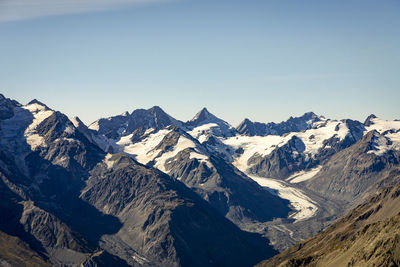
(145, 189)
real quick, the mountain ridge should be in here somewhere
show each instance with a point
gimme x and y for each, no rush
(133, 189)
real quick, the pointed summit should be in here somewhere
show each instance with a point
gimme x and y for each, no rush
(250, 128)
(37, 102)
(156, 109)
(213, 125)
(203, 115)
(368, 121)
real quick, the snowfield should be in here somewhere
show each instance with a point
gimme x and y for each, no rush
(313, 140)
(145, 151)
(304, 206)
(388, 136)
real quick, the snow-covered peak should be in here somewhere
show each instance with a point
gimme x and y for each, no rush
(381, 125)
(203, 115)
(205, 123)
(36, 106)
(160, 146)
(312, 139)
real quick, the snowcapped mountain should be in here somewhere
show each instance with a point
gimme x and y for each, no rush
(296, 124)
(281, 156)
(205, 124)
(175, 152)
(199, 153)
(136, 123)
(74, 204)
(145, 189)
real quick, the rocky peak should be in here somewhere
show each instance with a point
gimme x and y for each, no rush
(203, 115)
(7, 107)
(368, 120)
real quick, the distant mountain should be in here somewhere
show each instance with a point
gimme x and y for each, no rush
(145, 189)
(204, 123)
(213, 159)
(175, 152)
(296, 124)
(135, 123)
(74, 204)
(282, 156)
(366, 236)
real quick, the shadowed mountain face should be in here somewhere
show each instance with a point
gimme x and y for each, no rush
(70, 203)
(369, 235)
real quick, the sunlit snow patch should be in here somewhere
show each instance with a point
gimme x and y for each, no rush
(304, 206)
(262, 146)
(302, 176)
(40, 113)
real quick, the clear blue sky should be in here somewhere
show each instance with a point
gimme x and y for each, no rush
(265, 60)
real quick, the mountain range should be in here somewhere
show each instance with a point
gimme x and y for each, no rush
(145, 189)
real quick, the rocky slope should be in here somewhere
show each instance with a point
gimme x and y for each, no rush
(15, 252)
(144, 189)
(369, 235)
(354, 172)
(163, 221)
